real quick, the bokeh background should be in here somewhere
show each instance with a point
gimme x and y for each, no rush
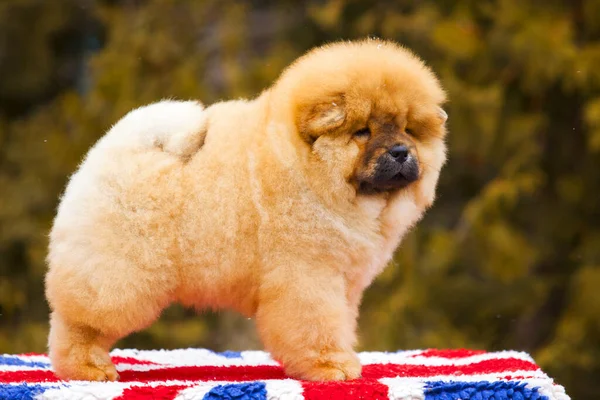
(509, 256)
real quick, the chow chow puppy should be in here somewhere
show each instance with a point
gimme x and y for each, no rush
(284, 208)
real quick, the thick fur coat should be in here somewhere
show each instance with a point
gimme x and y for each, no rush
(282, 207)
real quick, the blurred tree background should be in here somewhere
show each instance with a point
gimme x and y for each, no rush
(509, 257)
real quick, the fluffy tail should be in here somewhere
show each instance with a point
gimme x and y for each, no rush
(176, 127)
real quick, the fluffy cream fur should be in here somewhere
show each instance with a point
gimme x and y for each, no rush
(250, 205)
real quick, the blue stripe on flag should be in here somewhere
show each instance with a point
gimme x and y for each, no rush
(238, 391)
(501, 390)
(10, 360)
(230, 354)
(21, 392)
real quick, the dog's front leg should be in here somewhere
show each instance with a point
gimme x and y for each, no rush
(305, 321)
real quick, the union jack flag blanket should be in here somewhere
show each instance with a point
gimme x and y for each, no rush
(188, 374)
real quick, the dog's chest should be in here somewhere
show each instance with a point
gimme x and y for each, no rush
(385, 223)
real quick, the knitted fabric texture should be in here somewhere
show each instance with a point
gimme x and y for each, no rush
(253, 375)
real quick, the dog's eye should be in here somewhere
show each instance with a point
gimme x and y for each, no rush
(363, 133)
(409, 132)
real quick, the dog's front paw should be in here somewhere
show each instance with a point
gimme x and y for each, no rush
(84, 364)
(332, 366)
(98, 373)
(87, 372)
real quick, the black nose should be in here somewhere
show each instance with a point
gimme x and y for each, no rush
(399, 152)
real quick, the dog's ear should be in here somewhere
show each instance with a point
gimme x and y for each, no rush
(317, 119)
(442, 114)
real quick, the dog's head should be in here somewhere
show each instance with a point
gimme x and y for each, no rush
(375, 108)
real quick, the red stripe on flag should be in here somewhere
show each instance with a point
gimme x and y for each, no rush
(357, 389)
(31, 354)
(131, 360)
(36, 375)
(260, 372)
(458, 353)
(150, 392)
(233, 373)
(204, 373)
(376, 371)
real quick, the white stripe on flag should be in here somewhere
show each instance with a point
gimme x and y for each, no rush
(196, 357)
(288, 389)
(84, 390)
(548, 388)
(404, 389)
(413, 358)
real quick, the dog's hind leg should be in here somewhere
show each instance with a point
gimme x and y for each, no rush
(80, 352)
(80, 339)
(96, 304)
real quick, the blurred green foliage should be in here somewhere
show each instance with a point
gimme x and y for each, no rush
(509, 257)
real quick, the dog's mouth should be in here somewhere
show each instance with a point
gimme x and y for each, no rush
(390, 177)
(397, 182)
